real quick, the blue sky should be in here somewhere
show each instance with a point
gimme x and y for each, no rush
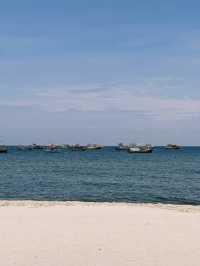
(100, 71)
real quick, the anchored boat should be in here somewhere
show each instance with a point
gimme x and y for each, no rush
(124, 147)
(141, 149)
(89, 147)
(77, 147)
(172, 146)
(93, 147)
(3, 149)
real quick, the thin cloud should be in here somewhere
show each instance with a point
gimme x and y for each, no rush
(111, 100)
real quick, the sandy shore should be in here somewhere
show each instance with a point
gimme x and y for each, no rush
(84, 234)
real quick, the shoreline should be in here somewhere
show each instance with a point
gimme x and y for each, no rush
(38, 203)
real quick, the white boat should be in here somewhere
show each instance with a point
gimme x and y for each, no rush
(124, 147)
(93, 147)
(141, 149)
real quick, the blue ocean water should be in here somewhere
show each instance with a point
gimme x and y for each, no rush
(107, 175)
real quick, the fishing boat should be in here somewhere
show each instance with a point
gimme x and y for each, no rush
(51, 148)
(172, 146)
(93, 147)
(77, 147)
(36, 147)
(147, 148)
(3, 149)
(21, 147)
(124, 147)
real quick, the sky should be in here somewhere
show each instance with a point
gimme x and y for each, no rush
(100, 71)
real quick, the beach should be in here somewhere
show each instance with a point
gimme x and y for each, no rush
(98, 234)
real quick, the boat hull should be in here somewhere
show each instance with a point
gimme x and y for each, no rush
(149, 151)
(172, 148)
(3, 151)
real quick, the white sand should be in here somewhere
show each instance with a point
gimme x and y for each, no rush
(78, 234)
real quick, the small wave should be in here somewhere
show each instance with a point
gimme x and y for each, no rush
(37, 204)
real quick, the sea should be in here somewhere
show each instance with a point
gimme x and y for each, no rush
(107, 175)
